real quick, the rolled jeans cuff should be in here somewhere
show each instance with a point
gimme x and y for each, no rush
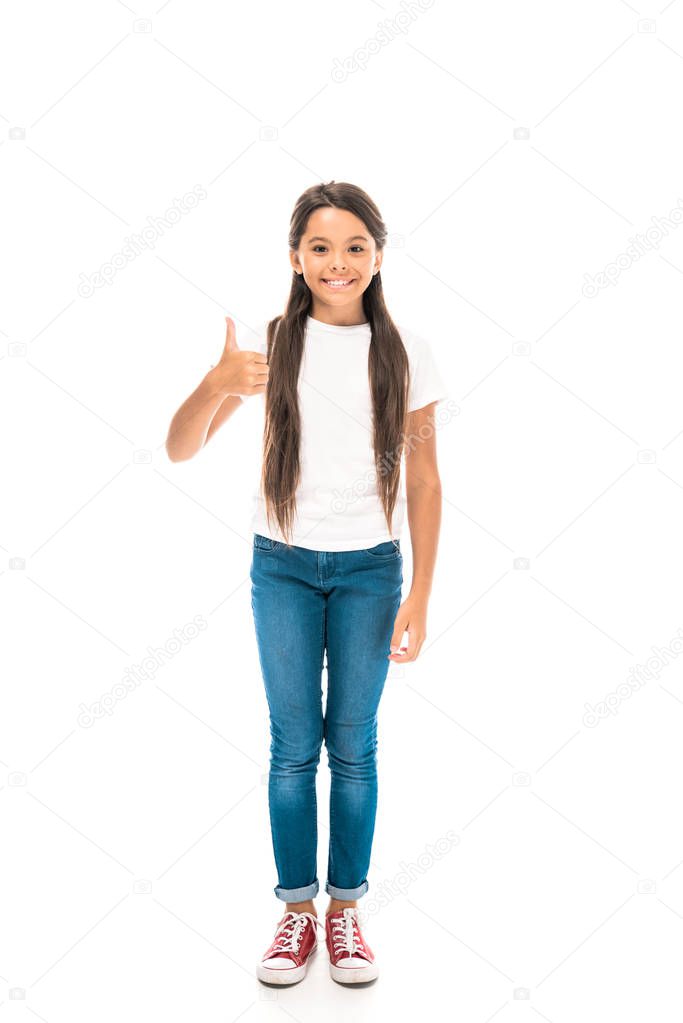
(346, 893)
(308, 891)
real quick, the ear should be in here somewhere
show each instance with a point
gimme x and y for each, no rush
(378, 261)
(296, 265)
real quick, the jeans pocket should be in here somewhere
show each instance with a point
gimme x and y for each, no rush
(387, 549)
(264, 543)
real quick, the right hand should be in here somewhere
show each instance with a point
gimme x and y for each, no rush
(239, 372)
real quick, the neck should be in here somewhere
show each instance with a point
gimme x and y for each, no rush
(342, 317)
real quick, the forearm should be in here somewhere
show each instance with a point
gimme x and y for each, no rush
(424, 518)
(189, 426)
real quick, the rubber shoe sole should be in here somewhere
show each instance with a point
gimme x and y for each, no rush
(349, 975)
(285, 976)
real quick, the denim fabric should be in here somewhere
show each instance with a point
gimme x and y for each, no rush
(306, 603)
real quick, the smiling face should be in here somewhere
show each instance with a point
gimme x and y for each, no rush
(337, 246)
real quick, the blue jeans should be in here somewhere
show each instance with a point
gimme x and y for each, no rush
(306, 602)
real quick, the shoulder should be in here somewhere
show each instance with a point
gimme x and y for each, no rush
(427, 383)
(414, 342)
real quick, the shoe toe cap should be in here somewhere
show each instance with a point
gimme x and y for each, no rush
(352, 963)
(278, 963)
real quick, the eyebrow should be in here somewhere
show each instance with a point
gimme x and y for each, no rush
(318, 238)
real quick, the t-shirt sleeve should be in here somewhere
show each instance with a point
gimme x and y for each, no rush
(427, 383)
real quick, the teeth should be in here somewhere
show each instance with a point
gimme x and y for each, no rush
(338, 284)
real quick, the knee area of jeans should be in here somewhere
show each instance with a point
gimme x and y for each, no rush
(345, 756)
(287, 761)
(351, 743)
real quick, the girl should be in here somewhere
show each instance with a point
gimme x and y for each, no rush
(346, 395)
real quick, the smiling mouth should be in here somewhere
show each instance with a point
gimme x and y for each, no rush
(339, 284)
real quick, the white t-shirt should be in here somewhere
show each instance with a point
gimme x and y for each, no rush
(338, 507)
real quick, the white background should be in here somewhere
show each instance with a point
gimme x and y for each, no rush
(513, 149)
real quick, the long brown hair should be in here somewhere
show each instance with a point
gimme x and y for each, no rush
(388, 369)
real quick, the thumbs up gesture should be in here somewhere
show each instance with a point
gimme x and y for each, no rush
(238, 371)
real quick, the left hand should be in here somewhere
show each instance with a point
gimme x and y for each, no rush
(411, 618)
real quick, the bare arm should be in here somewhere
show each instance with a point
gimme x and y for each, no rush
(423, 496)
(218, 395)
(192, 424)
(230, 405)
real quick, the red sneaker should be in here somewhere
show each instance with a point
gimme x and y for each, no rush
(352, 961)
(294, 945)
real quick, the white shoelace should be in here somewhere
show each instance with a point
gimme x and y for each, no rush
(289, 938)
(344, 933)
